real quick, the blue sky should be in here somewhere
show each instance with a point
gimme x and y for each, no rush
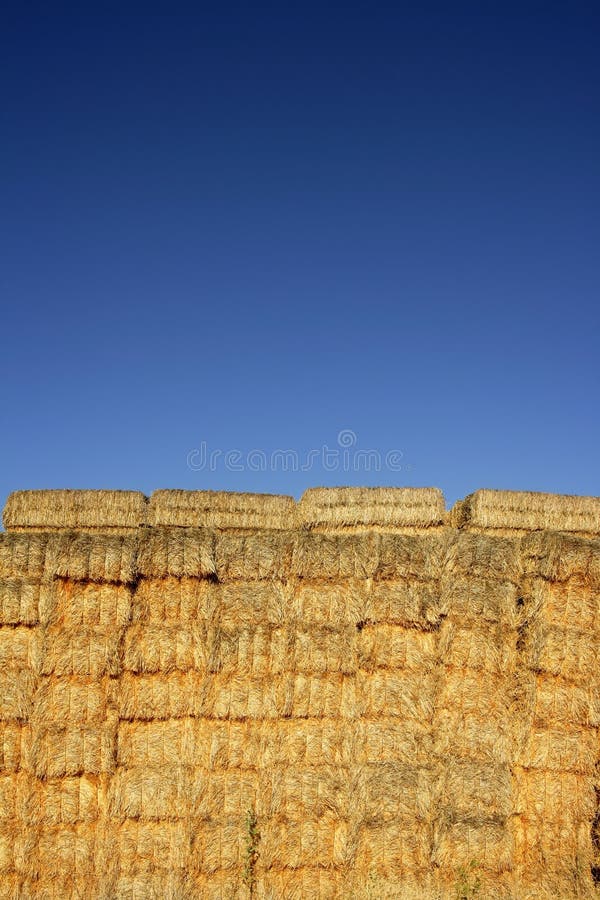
(294, 227)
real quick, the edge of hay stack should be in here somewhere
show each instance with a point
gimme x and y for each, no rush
(356, 509)
(221, 509)
(512, 512)
(55, 510)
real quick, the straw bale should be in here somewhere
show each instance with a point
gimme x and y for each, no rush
(92, 557)
(81, 510)
(156, 648)
(483, 557)
(561, 848)
(252, 557)
(153, 847)
(567, 652)
(74, 701)
(90, 651)
(62, 801)
(58, 886)
(570, 604)
(320, 603)
(560, 750)
(414, 557)
(332, 557)
(459, 843)
(559, 557)
(490, 650)
(90, 604)
(7, 848)
(465, 692)
(396, 647)
(20, 600)
(362, 508)
(473, 790)
(282, 845)
(146, 793)
(528, 511)
(59, 751)
(179, 552)
(480, 600)
(407, 695)
(476, 734)
(164, 696)
(392, 849)
(151, 886)
(173, 600)
(221, 509)
(14, 744)
(17, 687)
(553, 797)
(254, 603)
(66, 848)
(16, 646)
(558, 701)
(23, 555)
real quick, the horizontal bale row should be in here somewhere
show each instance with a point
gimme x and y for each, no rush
(238, 697)
(570, 604)
(217, 745)
(53, 801)
(385, 792)
(566, 652)
(557, 556)
(550, 798)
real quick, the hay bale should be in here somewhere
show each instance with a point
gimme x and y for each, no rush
(221, 509)
(74, 510)
(361, 509)
(523, 511)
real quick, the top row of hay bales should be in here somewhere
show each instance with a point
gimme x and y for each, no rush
(343, 509)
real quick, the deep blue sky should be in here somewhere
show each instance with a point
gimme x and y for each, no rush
(254, 226)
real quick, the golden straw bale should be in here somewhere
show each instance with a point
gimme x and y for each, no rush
(221, 509)
(290, 844)
(563, 702)
(176, 551)
(225, 795)
(153, 847)
(413, 557)
(566, 749)
(57, 887)
(297, 884)
(8, 832)
(81, 510)
(172, 600)
(16, 647)
(361, 508)
(92, 557)
(89, 651)
(528, 510)
(407, 695)
(59, 751)
(66, 848)
(17, 688)
(221, 846)
(90, 604)
(482, 556)
(465, 692)
(252, 557)
(558, 557)
(552, 797)
(15, 740)
(332, 556)
(151, 886)
(327, 603)
(562, 651)
(492, 649)
(459, 843)
(389, 740)
(562, 848)
(62, 801)
(393, 849)
(395, 647)
(164, 696)
(164, 648)
(472, 789)
(73, 701)
(20, 600)
(403, 602)
(151, 794)
(254, 603)
(476, 734)
(479, 600)
(23, 555)
(312, 650)
(571, 604)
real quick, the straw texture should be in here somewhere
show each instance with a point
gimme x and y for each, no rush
(221, 509)
(299, 711)
(80, 510)
(371, 508)
(520, 511)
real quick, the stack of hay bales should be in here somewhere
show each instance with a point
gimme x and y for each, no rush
(215, 695)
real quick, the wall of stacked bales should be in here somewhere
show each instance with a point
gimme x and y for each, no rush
(211, 695)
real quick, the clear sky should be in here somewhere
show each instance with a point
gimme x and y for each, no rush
(251, 228)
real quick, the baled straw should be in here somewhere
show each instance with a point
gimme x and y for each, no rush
(388, 509)
(221, 509)
(81, 510)
(520, 511)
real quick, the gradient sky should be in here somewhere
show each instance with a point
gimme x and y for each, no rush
(253, 227)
